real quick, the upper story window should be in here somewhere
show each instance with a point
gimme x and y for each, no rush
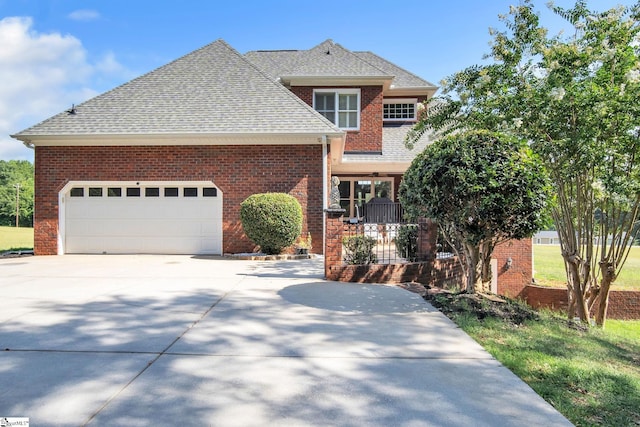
(399, 109)
(340, 106)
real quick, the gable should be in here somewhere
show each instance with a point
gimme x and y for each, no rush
(211, 91)
(331, 64)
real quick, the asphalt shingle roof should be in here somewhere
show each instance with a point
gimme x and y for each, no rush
(211, 90)
(331, 59)
(340, 62)
(402, 77)
(275, 62)
(393, 148)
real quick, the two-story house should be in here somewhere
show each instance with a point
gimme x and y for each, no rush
(372, 100)
(162, 163)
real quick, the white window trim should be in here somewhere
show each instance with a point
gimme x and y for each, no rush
(337, 92)
(413, 101)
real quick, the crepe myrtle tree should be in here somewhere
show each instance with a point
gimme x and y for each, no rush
(483, 188)
(574, 97)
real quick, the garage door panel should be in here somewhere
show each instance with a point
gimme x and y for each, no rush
(77, 227)
(179, 225)
(210, 228)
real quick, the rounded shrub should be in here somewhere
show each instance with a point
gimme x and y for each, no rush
(272, 221)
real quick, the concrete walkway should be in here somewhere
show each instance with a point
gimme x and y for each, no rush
(177, 340)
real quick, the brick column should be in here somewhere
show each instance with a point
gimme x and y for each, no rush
(427, 239)
(333, 241)
(515, 266)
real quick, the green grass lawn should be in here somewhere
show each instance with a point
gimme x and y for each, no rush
(549, 268)
(12, 238)
(591, 376)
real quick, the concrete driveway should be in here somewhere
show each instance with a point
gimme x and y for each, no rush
(177, 340)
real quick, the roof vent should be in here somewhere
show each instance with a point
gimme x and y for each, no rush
(72, 110)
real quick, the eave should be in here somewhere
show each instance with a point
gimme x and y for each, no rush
(384, 81)
(346, 167)
(427, 91)
(222, 138)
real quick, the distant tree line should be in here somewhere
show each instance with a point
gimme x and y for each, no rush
(16, 193)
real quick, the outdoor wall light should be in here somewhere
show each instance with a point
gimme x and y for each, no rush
(509, 263)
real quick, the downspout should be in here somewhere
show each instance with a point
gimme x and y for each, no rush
(324, 191)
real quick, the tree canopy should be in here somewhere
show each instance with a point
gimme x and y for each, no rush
(16, 181)
(482, 187)
(575, 99)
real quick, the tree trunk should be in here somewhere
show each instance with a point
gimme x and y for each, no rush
(486, 250)
(608, 277)
(474, 268)
(577, 299)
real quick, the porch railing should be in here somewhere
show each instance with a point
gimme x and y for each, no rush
(382, 213)
(382, 236)
(373, 243)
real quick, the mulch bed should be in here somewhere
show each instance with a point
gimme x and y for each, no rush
(480, 305)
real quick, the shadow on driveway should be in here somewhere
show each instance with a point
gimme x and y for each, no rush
(193, 342)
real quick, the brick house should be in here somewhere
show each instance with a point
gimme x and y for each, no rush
(161, 163)
(372, 100)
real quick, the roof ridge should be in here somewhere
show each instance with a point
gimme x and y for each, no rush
(353, 52)
(301, 62)
(274, 50)
(283, 89)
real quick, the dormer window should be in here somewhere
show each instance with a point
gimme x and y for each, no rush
(339, 106)
(399, 110)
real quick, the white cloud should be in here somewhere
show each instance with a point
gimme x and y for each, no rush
(84, 15)
(42, 75)
(109, 65)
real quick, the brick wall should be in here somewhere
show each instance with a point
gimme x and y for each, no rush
(624, 305)
(513, 279)
(446, 273)
(543, 297)
(441, 273)
(432, 272)
(238, 171)
(369, 137)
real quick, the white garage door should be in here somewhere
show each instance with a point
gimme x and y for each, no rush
(150, 218)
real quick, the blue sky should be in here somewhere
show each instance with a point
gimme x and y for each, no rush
(57, 52)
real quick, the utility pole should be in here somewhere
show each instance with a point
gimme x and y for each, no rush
(17, 204)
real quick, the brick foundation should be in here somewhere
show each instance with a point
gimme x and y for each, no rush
(238, 171)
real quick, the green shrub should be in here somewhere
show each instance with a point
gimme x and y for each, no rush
(359, 250)
(272, 221)
(407, 242)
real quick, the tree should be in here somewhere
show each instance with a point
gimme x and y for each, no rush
(575, 99)
(483, 187)
(16, 173)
